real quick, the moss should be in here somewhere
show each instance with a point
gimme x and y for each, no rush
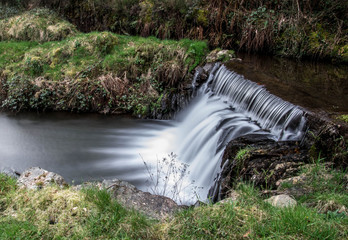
(36, 25)
(220, 55)
(343, 118)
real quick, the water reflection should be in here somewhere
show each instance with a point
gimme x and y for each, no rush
(315, 86)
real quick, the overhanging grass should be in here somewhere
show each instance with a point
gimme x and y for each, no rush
(98, 71)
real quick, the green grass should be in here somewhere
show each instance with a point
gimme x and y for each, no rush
(251, 218)
(12, 229)
(95, 71)
(13, 52)
(54, 213)
(328, 186)
(7, 184)
(112, 220)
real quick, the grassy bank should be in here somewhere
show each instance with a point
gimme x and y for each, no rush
(54, 213)
(98, 71)
(303, 29)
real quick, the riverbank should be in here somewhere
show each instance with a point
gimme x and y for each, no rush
(55, 212)
(296, 29)
(93, 72)
(46, 64)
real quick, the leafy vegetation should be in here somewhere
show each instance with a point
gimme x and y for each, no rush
(315, 29)
(327, 187)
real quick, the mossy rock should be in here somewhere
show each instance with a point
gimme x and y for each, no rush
(218, 55)
(40, 25)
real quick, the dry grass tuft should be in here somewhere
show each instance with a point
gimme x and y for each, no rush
(50, 208)
(40, 25)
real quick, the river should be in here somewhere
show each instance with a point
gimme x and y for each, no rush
(87, 147)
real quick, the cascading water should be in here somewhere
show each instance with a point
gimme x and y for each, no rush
(228, 106)
(88, 148)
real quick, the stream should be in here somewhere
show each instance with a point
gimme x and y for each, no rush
(178, 158)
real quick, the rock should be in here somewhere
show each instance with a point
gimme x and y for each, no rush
(282, 201)
(10, 172)
(154, 206)
(208, 67)
(330, 206)
(199, 204)
(232, 197)
(298, 180)
(219, 55)
(37, 178)
(265, 164)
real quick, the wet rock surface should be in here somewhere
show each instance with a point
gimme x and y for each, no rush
(269, 164)
(265, 163)
(36, 178)
(173, 101)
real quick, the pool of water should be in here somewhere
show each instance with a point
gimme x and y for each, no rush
(81, 147)
(314, 86)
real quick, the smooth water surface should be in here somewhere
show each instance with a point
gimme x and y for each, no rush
(315, 86)
(81, 147)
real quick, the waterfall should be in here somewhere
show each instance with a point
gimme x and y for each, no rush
(228, 106)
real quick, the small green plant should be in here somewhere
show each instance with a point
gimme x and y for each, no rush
(7, 184)
(243, 153)
(343, 118)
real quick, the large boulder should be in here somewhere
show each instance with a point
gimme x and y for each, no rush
(154, 206)
(37, 178)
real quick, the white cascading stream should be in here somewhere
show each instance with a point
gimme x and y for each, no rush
(228, 106)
